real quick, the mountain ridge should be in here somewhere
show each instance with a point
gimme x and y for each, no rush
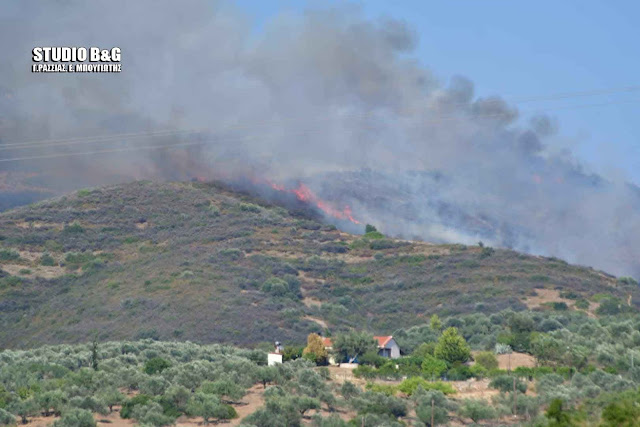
(207, 263)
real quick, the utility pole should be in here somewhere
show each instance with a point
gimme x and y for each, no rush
(515, 398)
(432, 408)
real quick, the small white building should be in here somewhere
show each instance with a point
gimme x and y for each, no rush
(275, 357)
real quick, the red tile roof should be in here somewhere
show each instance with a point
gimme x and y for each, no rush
(383, 341)
(327, 342)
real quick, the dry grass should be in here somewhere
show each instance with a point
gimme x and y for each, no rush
(545, 296)
(515, 360)
(46, 272)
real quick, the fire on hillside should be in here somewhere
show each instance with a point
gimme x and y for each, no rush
(301, 192)
(304, 194)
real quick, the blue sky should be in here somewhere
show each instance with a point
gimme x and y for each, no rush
(524, 49)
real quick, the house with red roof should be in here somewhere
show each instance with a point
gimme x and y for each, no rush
(387, 347)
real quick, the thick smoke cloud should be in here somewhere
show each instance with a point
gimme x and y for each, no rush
(328, 98)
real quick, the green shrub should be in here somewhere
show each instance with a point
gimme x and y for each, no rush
(130, 404)
(151, 414)
(433, 367)
(609, 306)
(73, 228)
(76, 259)
(628, 281)
(372, 358)
(7, 418)
(559, 306)
(459, 372)
(478, 371)
(76, 418)
(209, 406)
(374, 235)
(155, 365)
(410, 385)
(477, 410)
(582, 304)
(486, 359)
(9, 255)
(47, 260)
(504, 383)
(366, 372)
(233, 254)
(486, 252)
(249, 207)
(387, 389)
(382, 244)
(381, 404)
(275, 286)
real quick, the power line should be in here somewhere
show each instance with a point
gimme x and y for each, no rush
(116, 150)
(135, 148)
(96, 137)
(118, 138)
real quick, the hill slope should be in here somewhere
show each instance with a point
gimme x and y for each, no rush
(201, 262)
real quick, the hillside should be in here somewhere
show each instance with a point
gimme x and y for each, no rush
(195, 261)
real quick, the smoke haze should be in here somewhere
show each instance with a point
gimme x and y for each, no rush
(328, 98)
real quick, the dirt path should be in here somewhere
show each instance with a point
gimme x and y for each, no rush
(320, 322)
(252, 401)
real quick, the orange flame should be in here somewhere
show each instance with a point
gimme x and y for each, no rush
(304, 193)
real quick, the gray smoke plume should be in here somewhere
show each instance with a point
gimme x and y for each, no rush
(329, 98)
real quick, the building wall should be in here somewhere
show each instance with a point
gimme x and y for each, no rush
(274, 359)
(391, 350)
(395, 350)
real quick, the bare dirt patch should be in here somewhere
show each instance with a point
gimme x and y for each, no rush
(514, 360)
(113, 419)
(341, 375)
(545, 296)
(474, 389)
(47, 272)
(303, 276)
(38, 225)
(253, 400)
(311, 302)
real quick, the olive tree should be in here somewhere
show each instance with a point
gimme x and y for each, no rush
(353, 344)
